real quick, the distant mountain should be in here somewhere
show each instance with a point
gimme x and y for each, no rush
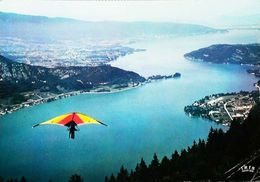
(13, 17)
(225, 53)
(44, 28)
(18, 77)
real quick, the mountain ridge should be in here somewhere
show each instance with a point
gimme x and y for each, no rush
(228, 53)
(40, 27)
(7, 15)
(26, 77)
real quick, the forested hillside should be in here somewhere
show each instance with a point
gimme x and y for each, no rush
(204, 160)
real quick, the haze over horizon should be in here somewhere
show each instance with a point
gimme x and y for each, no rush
(205, 12)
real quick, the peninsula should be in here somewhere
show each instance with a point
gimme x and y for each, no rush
(243, 54)
(224, 108)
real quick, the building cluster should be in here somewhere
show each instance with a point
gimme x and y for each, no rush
(223, 108)
(63, 52)
(34, 98)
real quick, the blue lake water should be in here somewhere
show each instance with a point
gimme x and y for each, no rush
(140, 121)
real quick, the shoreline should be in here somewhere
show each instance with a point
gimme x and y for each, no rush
(223, 108)
(26, 104)
(99, 90)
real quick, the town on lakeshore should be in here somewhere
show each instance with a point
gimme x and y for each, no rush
(224, 108)
(36, 97)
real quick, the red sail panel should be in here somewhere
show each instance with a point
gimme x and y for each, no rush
(77, 119)
(66, 120)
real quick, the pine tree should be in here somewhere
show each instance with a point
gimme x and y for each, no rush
(155, 162)
(76, 178)
(154, 168)
(165, 167)
(175, 156)
(131, 176)
(141, 172)
(106, 179)
(174, 162)
(23, 179)
(122, 175)
(112, 178)
(143, 165)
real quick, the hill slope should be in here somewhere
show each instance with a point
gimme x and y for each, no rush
(226, 53)
(21, 77)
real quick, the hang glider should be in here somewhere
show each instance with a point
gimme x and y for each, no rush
(71, 120)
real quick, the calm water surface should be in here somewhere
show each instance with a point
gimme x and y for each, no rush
(140, 121)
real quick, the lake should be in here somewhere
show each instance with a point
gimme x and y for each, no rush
(140, 121)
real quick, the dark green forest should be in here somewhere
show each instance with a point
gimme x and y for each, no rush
(204, 160)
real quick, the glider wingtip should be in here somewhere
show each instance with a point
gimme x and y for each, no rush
(35, 125)
(102, 123)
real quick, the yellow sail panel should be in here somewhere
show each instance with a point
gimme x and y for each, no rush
(87, 119)
(56, 120)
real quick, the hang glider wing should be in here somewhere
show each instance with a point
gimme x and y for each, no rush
(84, 119)
(65, 119)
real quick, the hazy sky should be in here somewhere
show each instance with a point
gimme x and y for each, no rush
(207, 12)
